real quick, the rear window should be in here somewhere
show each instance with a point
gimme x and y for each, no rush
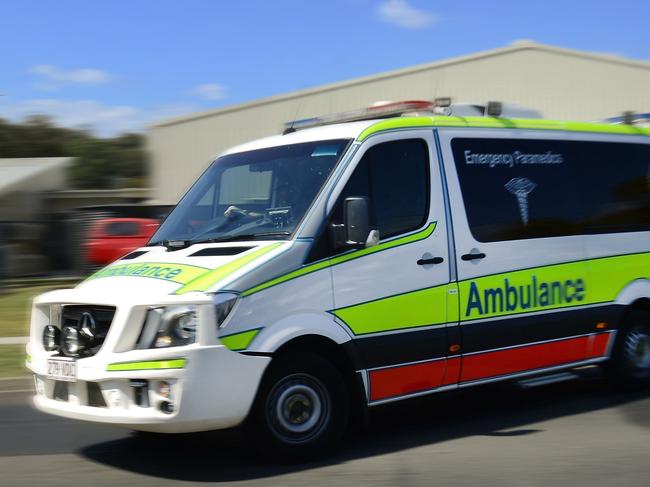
(617, 189)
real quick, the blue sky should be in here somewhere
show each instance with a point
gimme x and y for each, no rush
(119, 65)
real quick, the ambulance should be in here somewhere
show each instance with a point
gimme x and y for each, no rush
(361, 259)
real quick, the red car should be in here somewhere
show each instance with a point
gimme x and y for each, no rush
(112, 238)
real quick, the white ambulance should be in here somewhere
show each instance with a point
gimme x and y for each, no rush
(309, 276)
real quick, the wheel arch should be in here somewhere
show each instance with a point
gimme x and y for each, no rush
(640, 303)
(634, 296)
(635, 293)
(276, 335)
(343, 356)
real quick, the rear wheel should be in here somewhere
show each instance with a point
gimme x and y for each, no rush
(631, 356)
(301, 410)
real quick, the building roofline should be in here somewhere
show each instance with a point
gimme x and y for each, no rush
(516, 46)
(19, 172)
(45, 162)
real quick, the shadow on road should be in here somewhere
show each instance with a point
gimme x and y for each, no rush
(497, 411)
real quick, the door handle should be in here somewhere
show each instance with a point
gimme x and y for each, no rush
(473, 256)
(432, 260)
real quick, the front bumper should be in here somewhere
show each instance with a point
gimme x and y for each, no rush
(215, 389)
(211, 387)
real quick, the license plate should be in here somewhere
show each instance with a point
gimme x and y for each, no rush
(64, 370)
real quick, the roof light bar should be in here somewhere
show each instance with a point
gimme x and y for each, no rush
(377, 110)
(630, 118)
(442, 101)
(439, 106)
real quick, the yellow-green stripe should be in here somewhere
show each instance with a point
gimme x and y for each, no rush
(166, 271)
(604, 278)
(308, 269)
(148, 365)
(487, 122)
(209, 279)
(409, 310)
(239, 341)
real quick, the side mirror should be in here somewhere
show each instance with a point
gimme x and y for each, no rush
(355, 230)
(356, 221)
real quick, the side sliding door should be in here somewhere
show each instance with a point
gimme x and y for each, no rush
(525, 299)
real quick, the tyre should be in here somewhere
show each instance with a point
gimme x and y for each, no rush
(630, 365)
(301, 410)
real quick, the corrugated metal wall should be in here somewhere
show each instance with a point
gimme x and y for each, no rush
(561, 84)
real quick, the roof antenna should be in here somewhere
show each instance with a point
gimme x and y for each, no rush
(290, 129)
(494, 109)
(434, 84)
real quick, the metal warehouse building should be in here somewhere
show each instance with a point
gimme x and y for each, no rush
(561, 83)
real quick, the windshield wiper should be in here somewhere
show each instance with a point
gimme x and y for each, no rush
(245, 236)
(172, 244)
(182, 244)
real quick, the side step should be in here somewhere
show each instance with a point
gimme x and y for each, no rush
(547, 379)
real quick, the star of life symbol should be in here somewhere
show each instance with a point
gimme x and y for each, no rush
(521, 188)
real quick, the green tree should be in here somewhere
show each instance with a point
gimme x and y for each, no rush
(102, 163)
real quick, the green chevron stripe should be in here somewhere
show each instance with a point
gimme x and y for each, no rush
(148, 365)
(209, 279)
(239, 341)
(421, 235)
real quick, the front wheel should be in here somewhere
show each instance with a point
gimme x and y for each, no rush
(301, 410)
(630, 364)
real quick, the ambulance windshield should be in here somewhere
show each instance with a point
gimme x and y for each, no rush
(257, 194)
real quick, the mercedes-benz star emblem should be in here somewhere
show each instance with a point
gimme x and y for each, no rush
(87, 324)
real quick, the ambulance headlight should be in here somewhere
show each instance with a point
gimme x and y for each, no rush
(51, 338)
(171, 326)
(72, 343)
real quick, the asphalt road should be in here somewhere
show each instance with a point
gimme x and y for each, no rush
(574, 433)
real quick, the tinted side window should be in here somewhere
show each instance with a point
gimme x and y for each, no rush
(399, 183)
(395, 177)
(517, 189)
(617, 189)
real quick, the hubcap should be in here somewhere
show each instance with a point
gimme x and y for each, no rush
(637, 349)
(298, 408)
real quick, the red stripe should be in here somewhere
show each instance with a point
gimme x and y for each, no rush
(406, 379)
(452, 372)
(502, 362)
(599, 345)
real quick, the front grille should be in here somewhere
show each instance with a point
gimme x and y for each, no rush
(84, 329)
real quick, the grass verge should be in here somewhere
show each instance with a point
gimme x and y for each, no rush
(12, 361)
(15, 306)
